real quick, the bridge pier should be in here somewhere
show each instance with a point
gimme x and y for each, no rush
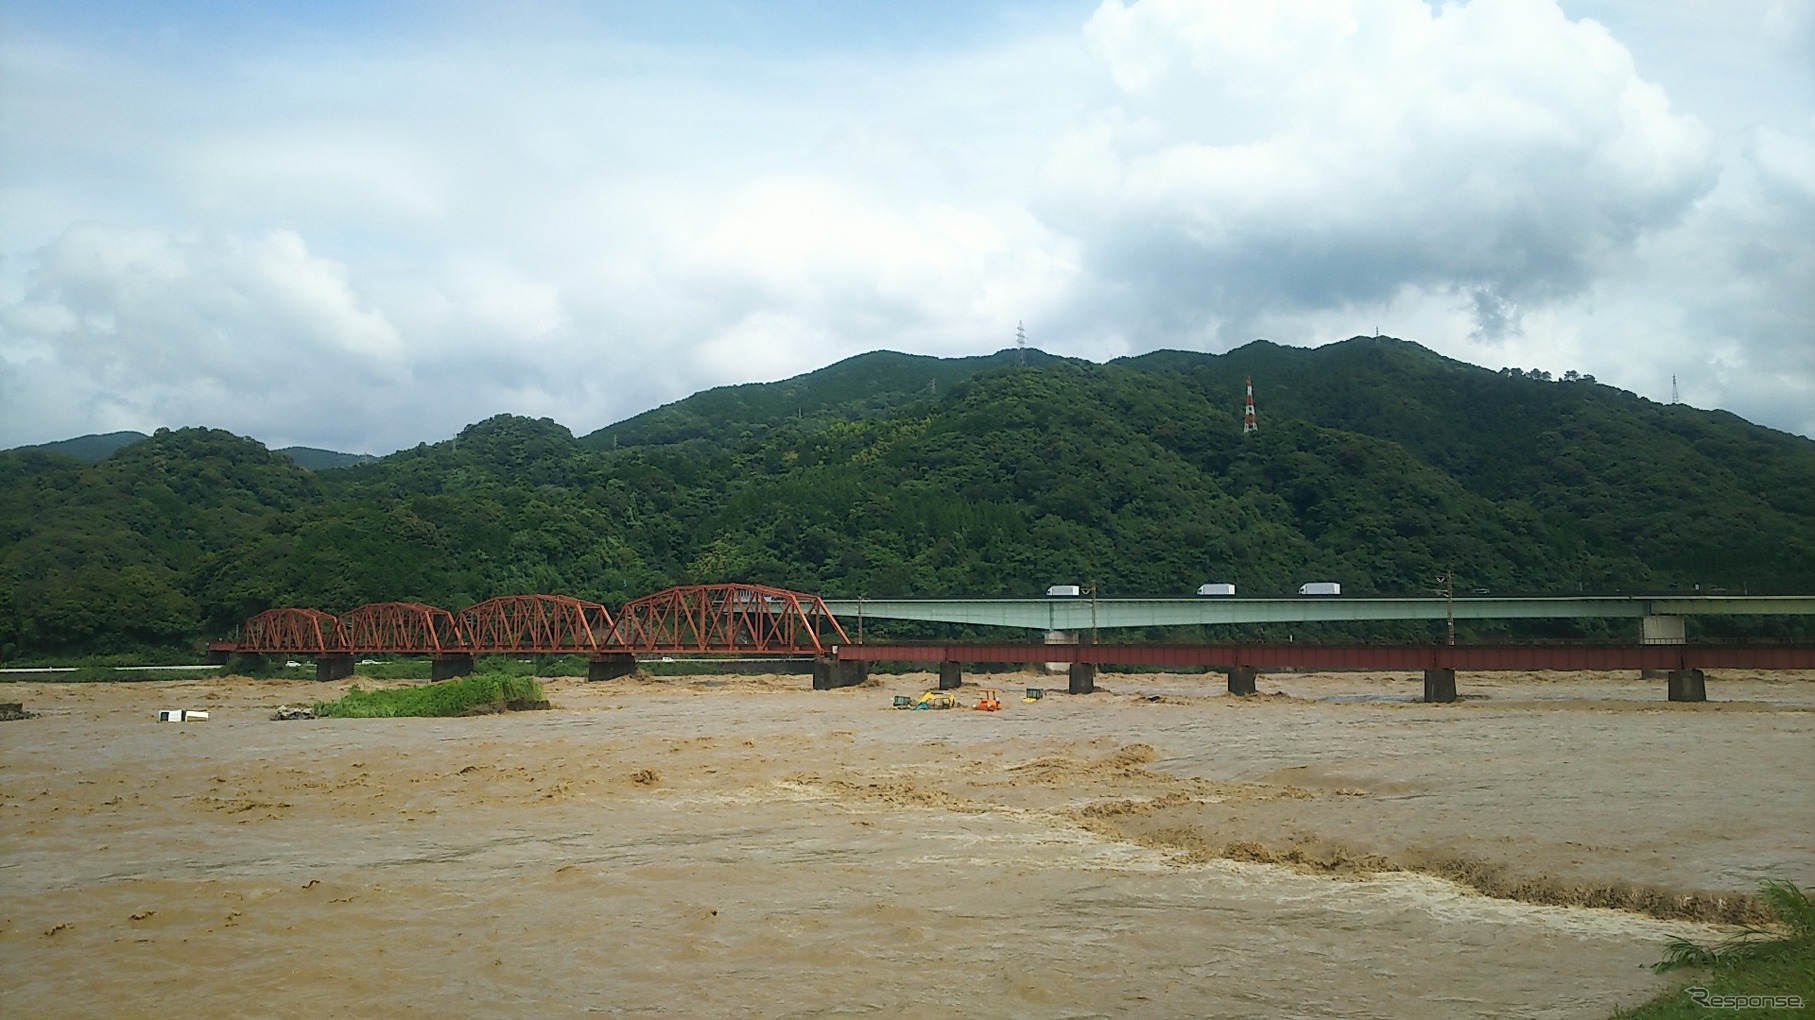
(951, 676)
(1060, 637)
(610, 666)
(449, 665)
(333, 665)
(1439, 686)
(1688, 685)
(1083, 678)
(1241, 679)
(830, 673)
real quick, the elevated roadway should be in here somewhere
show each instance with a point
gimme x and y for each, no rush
(1077, 614)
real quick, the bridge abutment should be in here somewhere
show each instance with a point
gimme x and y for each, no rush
(610, 666)
(1439, 686)
(951, 676)
(334, 666)
(450, 665)
(1688, 685)
(1241, 679)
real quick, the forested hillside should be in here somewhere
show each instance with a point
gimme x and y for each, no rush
(1378, 464)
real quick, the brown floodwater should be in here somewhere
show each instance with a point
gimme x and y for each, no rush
(747, 847)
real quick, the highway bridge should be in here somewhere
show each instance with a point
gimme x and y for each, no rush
(747, 619)
(1084, 613)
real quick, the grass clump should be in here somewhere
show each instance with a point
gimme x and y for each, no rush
(465, 695)
(1764, 972)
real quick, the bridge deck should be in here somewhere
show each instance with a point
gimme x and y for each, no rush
(1475, 658)
(1083, 614)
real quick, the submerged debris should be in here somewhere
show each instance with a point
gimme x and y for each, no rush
(15, 710)
(287, 712)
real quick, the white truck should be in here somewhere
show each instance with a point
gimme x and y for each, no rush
(1320, 588)
(1065, 591)
(1216, 589)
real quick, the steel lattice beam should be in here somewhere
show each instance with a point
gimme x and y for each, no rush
(724, 618)
(536, 623)
(306, 631)
(407, 627)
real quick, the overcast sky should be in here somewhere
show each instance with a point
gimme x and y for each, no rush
(363, 225)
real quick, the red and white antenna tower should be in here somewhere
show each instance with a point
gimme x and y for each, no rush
(1249, 422)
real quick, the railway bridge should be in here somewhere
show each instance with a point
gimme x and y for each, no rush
(758, 620)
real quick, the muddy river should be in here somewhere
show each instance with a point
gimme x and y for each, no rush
(745, 846)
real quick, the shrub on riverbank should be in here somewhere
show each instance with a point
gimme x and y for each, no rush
(1765, 973)
(467, 695)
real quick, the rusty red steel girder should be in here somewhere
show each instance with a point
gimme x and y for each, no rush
(535, 623)
(309, 631)
(726, 618)
(409, 627)
(1481, 658)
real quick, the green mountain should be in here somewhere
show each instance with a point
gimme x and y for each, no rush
(321, 460)
(873, 385)
(1377, 464)
(92, 448)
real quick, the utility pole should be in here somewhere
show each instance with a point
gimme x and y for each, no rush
(1449, 600)
(1093, 610)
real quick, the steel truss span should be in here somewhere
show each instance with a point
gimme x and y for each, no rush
(400, 627)
(276, 631)
(728, 618)
(550, 624)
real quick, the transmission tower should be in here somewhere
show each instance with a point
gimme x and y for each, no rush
(1020, 345)
(1249, 422)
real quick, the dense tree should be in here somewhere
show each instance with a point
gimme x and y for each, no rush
(1378, 464)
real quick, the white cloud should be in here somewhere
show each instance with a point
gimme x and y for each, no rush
(370, 236)
(1307, 156)
(159, 328)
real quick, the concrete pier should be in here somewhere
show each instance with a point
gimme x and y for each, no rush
(610, 666)
(449, 665)
(951, 677)
(1439, 686)
(333, 666)
(1083, 678)
(1241, 679)
(830, 673)
(1688, 685)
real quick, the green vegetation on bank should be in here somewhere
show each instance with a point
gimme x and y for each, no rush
(1758, 973)
(478, 691)
(1378, 464)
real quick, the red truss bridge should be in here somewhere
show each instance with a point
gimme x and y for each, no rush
(708, 619)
